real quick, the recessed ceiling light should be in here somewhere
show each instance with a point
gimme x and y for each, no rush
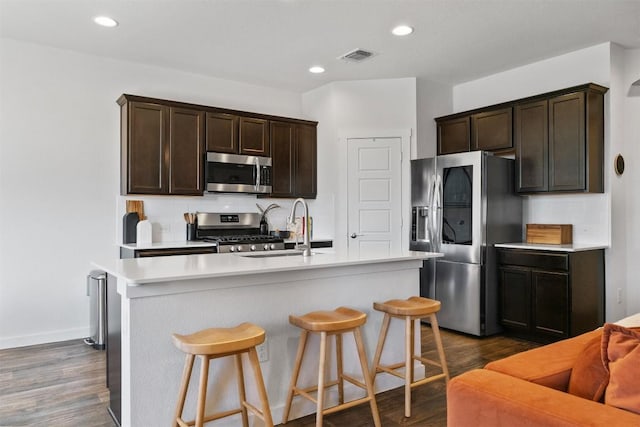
(105, 21)
(316, 69)
(402, 30)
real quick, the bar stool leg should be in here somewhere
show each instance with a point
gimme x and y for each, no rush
(202, 395)
(241, 390)
(184, 385)
(367, 379)
(381, 340)
(294, 376)
(262, 392)
(321, 378)
(438, 340)
(339, 368)
(408, 365)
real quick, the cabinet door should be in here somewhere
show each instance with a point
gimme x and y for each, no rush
(515, 298)
(186, 151)
(454, 135)
(531, 135)
(146, 149)
(492, 130)
(550, 303)
(254, 137)
(222, 133)
(567, 142)
(282, 156)
(305, 162)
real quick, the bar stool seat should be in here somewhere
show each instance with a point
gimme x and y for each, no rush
(215, 343)
(409, 310)
(337, 322)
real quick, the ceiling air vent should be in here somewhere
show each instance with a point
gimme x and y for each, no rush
(357, 55)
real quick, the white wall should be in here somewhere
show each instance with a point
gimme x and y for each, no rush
(349, 107)
(626, 224)
(434, 100)
(59, 170)
(597, 218)
(59, 175)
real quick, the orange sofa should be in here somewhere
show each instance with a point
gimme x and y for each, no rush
(530, 389)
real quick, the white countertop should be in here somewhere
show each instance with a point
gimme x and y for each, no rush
(574, 247)
(183, 267)
(168, 245)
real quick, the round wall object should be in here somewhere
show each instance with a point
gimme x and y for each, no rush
(618, 164)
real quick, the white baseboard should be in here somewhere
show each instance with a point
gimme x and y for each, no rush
(45, 337)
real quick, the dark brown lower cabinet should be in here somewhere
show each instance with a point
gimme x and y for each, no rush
(547, 295)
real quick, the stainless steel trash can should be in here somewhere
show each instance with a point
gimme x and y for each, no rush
(97, 293)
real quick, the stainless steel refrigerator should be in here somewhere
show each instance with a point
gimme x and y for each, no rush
(462, 204)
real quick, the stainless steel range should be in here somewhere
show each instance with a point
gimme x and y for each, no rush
(235, 232)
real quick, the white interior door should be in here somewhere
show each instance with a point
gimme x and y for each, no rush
(374, 195)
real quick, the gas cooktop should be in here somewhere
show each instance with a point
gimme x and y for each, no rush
(235, 232)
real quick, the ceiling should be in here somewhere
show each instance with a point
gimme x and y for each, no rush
(274, 42)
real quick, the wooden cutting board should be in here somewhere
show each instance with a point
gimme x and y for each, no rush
(136, 206)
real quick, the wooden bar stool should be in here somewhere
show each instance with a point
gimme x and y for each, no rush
(326, 323)
(214, 343)
(410, 310)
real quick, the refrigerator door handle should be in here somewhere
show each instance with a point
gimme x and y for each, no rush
(435, 228)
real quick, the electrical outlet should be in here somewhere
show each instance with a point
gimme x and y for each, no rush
(162, 227)
(263, 352)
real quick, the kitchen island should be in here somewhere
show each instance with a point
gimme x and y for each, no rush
(183, 294)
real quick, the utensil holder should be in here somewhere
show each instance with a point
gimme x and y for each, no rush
(191, 232)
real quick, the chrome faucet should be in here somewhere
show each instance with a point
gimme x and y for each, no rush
(306, 244)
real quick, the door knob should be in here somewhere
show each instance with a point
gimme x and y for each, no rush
(354, 235)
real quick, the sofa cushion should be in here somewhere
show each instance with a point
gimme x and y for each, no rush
(589, 378)
(483, 398)
(549, 365)
(621, 358)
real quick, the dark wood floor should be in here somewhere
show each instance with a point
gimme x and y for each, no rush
(63, 384)
(58, 384)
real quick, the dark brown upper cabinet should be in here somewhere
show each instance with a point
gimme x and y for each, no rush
(306, 161)
(294, 156)
(162, 149)
(558, 138)
(229, 133)
(186, 151)
(164, 143)
(492, 130)
(560, 142)
(222, 132)
(567, 143)
(532, 147)
(454, 135)
(144, 146)
(254, 137)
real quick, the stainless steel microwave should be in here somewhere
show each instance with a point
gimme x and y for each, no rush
(233, 173)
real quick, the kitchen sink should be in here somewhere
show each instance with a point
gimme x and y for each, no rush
(274, 254)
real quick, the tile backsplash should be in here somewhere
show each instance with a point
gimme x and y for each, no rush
(589, 214)
(166, 212)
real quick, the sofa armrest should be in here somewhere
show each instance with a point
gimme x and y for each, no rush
(484, 398)
(549, 365)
